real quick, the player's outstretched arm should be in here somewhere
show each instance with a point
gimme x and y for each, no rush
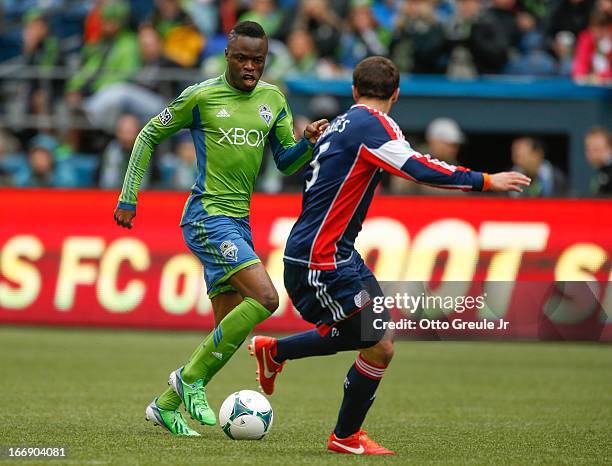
(178, 115)
(508, 181)
(397, 157)
(291, 155)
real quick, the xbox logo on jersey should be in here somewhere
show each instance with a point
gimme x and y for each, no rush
(240, 137)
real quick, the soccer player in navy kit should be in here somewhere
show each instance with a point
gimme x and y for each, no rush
(326, 278)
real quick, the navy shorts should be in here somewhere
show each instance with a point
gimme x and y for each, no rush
(340, 299)
(224, 246)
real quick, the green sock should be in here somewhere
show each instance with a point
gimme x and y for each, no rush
(169, 400)
(223, 341)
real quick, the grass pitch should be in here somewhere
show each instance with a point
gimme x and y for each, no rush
(440, 402)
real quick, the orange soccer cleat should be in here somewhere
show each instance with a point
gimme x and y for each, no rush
(263, 348)
(357, 444)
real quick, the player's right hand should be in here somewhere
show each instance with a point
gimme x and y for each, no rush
(508, 181)
(124, 217)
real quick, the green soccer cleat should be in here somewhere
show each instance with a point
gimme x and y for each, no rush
(194, 398)
(172, 421)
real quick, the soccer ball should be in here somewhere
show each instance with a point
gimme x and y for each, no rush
(246, 415)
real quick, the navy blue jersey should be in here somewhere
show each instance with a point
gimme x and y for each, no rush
(348, 161)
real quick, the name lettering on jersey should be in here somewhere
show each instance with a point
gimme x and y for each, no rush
(339, 125)
(265, 113)
(223, 113)
(240, 137)
(165, 116)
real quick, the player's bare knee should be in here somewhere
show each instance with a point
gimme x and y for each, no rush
(381, 352)
(268, 298)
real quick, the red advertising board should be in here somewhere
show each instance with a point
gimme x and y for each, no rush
(63, 260)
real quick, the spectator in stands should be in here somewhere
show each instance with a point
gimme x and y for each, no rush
(167, 15)
(40, 49)
(363, 37)
(443, 141)
(8, 148)
(304, 55)
(205, 15)
(506, 13)
(5, 175)
(529, 157)
(593, 60)
(113, 59)
(569, 15)
(527, 52)
(566, 20)
(476, 42)
(117, 154)
(43, 169)
(444, 10)
(266, 13)
(322, 22)
(444, 138)
(598, 149)
(93, 23)
(153, 60)
(418, 39)
(563, 50)
(228, 16)
(182, 42)
(143, 95)
(605, 6)
(385, 13)
(181, 164)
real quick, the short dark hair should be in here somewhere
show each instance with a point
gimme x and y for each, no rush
(248, 29)
(376, 77)
(536, 144)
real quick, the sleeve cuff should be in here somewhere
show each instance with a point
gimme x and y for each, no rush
(486, 182)
(310, 144)
(126, 206)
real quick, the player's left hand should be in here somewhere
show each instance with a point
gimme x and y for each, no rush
(124, 217)
(509, 181)
(315, 129)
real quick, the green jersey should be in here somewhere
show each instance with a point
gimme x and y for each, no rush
(229, 129)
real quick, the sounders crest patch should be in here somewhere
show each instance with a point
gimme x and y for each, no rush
(165, 116)
(265, 113)
(229, 251)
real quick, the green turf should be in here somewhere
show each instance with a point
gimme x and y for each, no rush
(440, 403)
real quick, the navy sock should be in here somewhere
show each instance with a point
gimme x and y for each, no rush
(359, 392)
(310, 343)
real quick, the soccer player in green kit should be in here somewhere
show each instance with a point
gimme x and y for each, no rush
(230, 118)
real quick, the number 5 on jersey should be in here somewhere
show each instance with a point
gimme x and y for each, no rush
(316, 165)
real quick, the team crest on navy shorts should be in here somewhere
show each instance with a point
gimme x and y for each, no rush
(265, 113)
(361, 298)
(229, 251)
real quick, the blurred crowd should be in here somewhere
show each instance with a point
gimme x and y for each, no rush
(459, 38)
(116, 51)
